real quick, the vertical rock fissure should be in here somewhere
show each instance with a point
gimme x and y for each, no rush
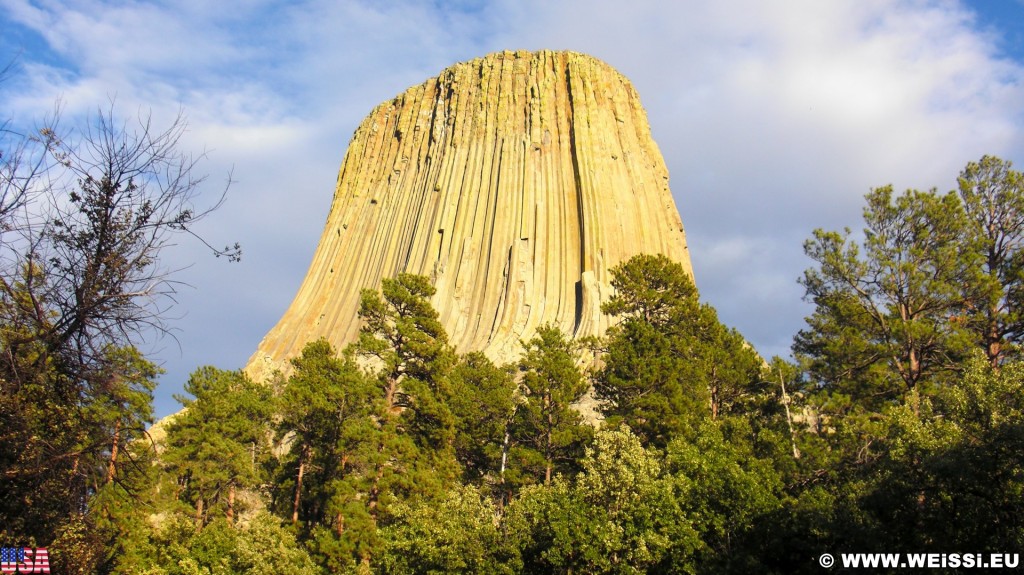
(574, 155)
(493, 241)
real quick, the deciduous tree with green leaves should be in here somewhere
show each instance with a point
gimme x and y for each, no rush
(458, 534)
(619, 515)
(726, 493)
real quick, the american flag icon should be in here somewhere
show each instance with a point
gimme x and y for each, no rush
(24, 560)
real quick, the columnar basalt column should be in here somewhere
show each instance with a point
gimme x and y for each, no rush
(514, 181)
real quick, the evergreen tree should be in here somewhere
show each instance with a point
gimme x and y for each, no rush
(117, 411)
(120, 405)
(398, 444)
(216, 445)
(881, 327)
(402, 332)
(324, 410)
(993, 198)
(668, 363)
(548, 435)
(328, 415)
(483, 401)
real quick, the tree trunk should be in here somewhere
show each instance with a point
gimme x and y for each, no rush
(789, 417)
(915, 374)
(504, 456)
(298, 483)
(112, 466)
(199, 514)
(375, 492)
(231, 504)
(548, 449)
(994, 348)
(714, 402)
(391, 395)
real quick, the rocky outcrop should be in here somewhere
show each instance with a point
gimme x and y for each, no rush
(515, 181)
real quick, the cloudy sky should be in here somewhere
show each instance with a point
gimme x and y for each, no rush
(775, 117)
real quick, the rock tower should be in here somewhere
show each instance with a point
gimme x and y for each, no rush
(514, 181)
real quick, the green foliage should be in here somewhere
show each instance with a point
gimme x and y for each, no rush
(325, 418)
(265, 548)
(993, 198)
(215, 446)
(951, 478)
(62, 438)
(330, 413)
(669, 363)
(371, 441)
(911, 442)
(79, 547)
(402, 332)
(83, 221)
(459, 534)
(618, 516)
(654, 290)
(881, 327)
(401, 329)
(947, 477)
(398, 456)
(641, 520)
(725, 491)
(547, 434)
(483, 401)
(260, 546)
(934, 275)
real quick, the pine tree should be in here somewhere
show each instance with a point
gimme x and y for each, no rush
(216, 445)
(402, 332)
(668, 363)
(323, 398)
(548, 435)
(329, 415)
(397, 443)
(993, 199)
(881, 327)
(483, 401)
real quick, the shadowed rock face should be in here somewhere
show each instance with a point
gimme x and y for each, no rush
(514, 181)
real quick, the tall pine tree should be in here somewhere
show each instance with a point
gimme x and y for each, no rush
(668, 363)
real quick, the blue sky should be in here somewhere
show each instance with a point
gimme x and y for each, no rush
(1004, 19)
(774, 116)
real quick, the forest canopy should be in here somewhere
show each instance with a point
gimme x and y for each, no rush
(896, 426)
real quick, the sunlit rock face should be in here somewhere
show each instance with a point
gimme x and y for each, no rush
(514, 181)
